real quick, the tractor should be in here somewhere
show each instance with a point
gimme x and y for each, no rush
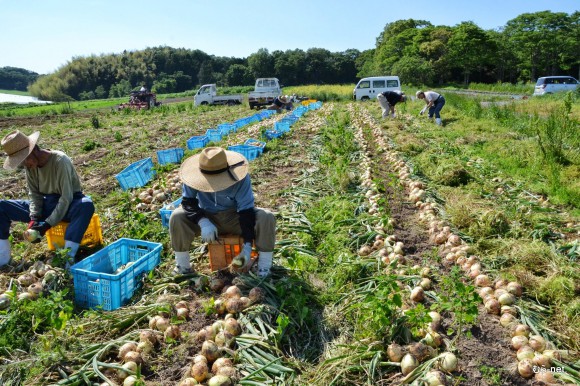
(140, 100)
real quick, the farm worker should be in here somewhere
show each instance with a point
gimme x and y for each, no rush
(54, 190)
(388, 100)
(218, 199)
(435, 103)
(281, 102)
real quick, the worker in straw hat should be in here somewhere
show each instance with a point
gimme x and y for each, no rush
(54, 190)
(281, 102)
(218, 199)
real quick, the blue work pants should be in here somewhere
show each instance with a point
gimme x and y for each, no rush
(78, 216)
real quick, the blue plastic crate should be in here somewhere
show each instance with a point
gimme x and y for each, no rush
(197, 142)
(213, 135)
(137, 174)
(255, 118)
(254, 142)
(271, 134)
(242, 122)
(290, 118)
(299, 111)
(250, 152)
(226, 128)
(283, 126)
(97, 285)
(166, 211)
(170, 156)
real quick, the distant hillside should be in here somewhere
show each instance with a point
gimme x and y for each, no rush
(13, 78)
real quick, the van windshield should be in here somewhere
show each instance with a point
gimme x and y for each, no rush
(540, 81)
(364, 84)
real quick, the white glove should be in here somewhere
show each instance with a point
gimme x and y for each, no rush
(209, 232)
(243, 261)
(423, 111)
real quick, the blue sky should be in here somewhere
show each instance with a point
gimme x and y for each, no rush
(43, 35)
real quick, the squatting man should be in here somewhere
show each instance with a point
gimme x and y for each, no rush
(218, 200)
(54, 191)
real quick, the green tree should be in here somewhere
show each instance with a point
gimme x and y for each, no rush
(261, 64)
(470, 49)
(539, 39)
(414, 70)
(238, 75)
(205, 74)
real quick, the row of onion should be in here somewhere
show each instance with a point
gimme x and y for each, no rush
(388, 249)
(499, 297)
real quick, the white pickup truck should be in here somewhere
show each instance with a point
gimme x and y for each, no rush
(207, 95)
(265, 91)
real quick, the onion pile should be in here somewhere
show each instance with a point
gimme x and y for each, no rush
(31, 284)
(155, 197)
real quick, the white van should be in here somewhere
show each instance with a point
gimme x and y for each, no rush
(369, 88)
(552, 84)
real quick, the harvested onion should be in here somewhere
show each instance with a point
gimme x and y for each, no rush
(537, 342)
(395, 352)
(525, 368)
(199, 371)
(408, 364)
(219, 363)
(417, 294)
(448, 362)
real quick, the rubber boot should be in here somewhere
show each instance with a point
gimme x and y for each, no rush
(4, 252)
(438, 121)
(182, 263)
(73, 248)
(264, 263)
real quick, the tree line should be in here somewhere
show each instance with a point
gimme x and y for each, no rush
(13, 78)
(420, 53)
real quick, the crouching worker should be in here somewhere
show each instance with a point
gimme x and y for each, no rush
(281, 102)
(54, 191)
(218, 199)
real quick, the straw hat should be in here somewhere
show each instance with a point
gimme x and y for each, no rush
(419, 93)
(213, 169)
(283, 98)
(18, 146)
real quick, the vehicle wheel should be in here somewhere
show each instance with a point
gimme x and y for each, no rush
(204, 103)
(252, 105)
(365, 98)
(231, 103)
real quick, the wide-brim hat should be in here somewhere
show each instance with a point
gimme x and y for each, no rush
(213, 169)
(419, 92)
(18, 146)
(283, 98)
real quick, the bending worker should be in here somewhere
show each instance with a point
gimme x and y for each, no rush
(54, 189)
(281, 102)
(218, 199)
(388, 100)
(435, 103)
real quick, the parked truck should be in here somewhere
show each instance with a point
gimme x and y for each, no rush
(207, 95)
(265, 91)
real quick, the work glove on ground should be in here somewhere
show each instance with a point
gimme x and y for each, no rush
(209, 231)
